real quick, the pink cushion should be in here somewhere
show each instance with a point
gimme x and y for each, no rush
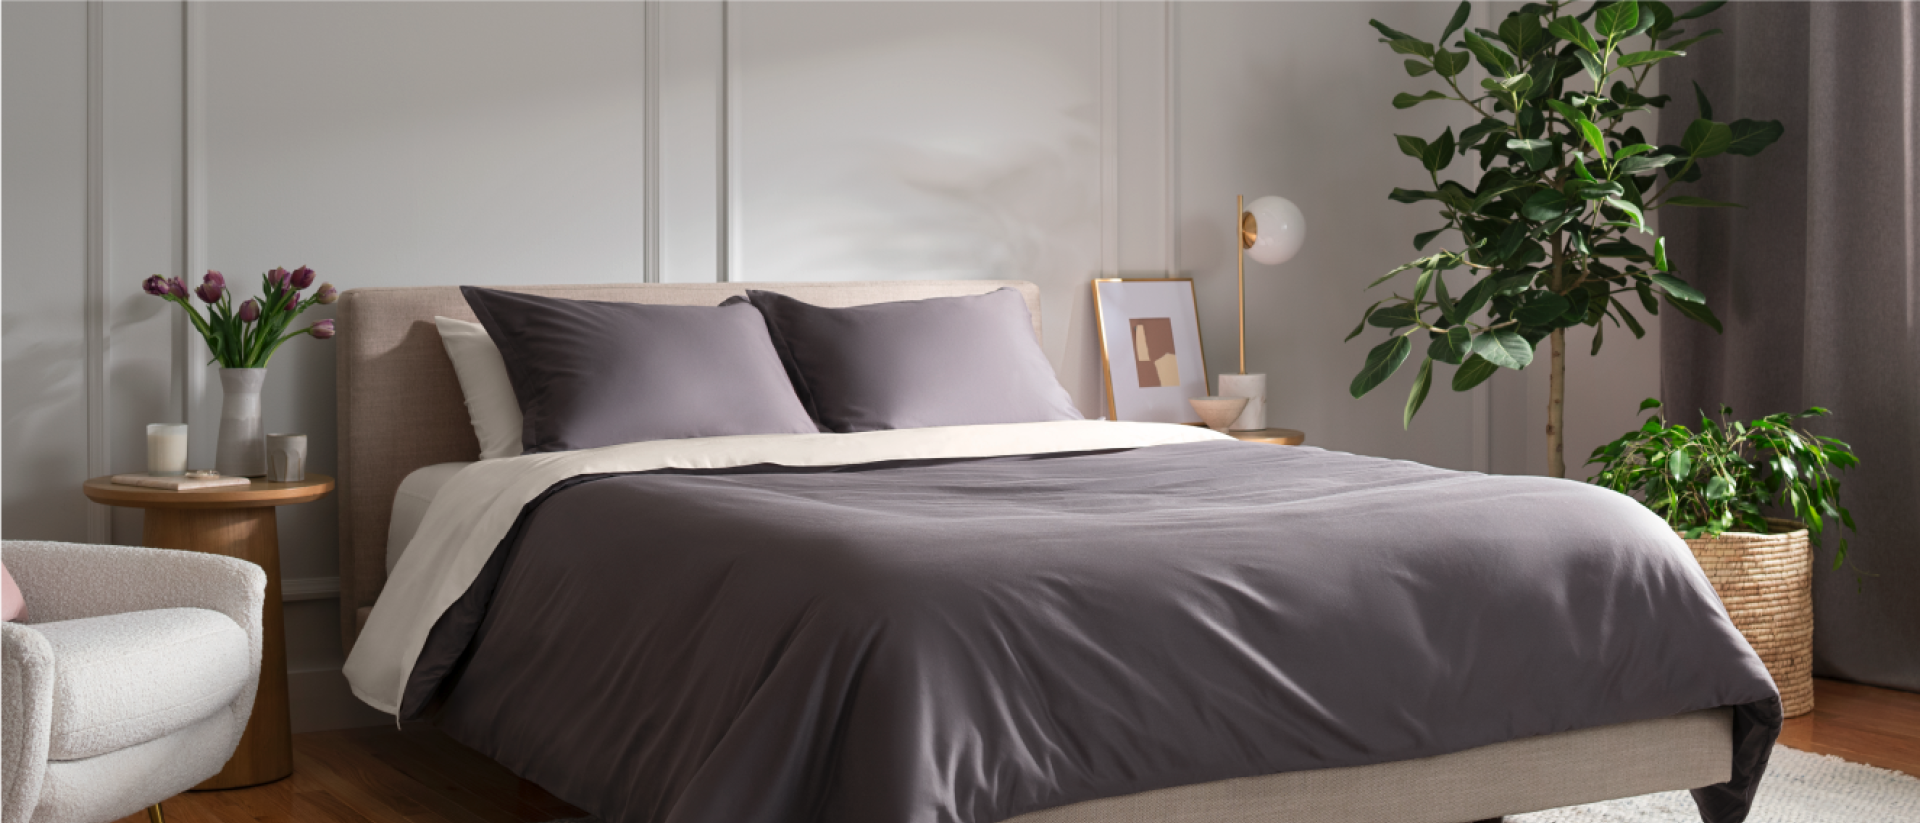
(12, 605)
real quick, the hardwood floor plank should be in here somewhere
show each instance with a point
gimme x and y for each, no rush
(1863, 724)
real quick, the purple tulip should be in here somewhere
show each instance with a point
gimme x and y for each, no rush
(216, 278)
(301, 278)
(322, 330)
(155, 285)
(249, 311)
(327, 295)
(278, 277)
(209, 292)
(293, 299)
(177, 287)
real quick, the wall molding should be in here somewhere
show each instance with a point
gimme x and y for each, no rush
(1109, 138)
(725, 156)
(651, 43)
(1170, 111)
(188, 349)
(98, 306)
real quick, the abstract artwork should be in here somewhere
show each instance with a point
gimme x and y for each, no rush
(1153, 352)
(1150, 348)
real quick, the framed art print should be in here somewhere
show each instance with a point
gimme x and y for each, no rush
(1150, 348)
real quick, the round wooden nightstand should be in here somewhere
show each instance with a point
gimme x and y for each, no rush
(236, 521)
(1278, 437)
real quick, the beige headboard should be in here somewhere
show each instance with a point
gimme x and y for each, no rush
(401, 408)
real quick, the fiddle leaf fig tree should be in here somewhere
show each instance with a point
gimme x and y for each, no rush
(1547, 236)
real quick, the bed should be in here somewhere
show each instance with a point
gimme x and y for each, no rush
(401, 410)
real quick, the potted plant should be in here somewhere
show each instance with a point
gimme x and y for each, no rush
(242, 340)
(1714, 486)
(1544, 233)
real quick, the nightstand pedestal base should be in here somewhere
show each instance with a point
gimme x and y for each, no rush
(265, 753)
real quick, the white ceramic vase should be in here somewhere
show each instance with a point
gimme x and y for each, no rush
(241, 450)
(1254, 388)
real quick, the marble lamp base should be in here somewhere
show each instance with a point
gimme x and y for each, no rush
(1254, 388)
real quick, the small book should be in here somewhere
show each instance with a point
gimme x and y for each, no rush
(179, 484)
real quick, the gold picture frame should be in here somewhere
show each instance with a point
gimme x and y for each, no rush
(1136, 303)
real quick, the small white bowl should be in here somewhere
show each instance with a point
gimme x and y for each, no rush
(1218, 412)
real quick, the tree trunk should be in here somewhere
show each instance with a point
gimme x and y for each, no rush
(1557, 406)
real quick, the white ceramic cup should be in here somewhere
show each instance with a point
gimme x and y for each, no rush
(166, 449)
(286, 458)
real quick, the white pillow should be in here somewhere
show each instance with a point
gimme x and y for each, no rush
(483, 379)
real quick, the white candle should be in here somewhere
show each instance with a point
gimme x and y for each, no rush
(166, 450)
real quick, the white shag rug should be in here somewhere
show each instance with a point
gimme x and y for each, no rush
(1799, 787)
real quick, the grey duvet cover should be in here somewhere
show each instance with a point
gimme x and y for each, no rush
(972, 640)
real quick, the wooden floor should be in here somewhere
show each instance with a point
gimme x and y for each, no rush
(417, 775)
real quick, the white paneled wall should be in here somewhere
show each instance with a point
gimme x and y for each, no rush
(497, 142)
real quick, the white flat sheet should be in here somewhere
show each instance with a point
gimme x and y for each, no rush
(410, 505)
(476, 508)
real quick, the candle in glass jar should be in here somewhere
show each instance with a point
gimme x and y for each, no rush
(166, 449)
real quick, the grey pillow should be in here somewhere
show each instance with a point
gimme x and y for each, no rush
(590, 374)
(945, 361)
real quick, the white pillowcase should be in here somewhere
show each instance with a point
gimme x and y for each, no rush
(483, 379)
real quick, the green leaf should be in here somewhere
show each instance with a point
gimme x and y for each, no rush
(1389, 32)
(1701, 10)
(1700, 202)
(1396, 316)
(1508, 242)
(1697, 311)
(1599, 336)
(1544, 308)
(1547, 204)
(1362, 325)
(1503, 348)
(1627, 317)
(1410, 146)
(1594, 138)
(1404, 100)
(1400, 195)
(1537, 153)
(1700, 99)
(1416, 68)
(1660, 254)
(1679, 466)
(1490, 56)
(1676, 288)
(1419, 394)
(1450, 63)
(1705, 138)
(1453, 347)
(1750, 136)
(1599, 190)
(1633, 211)
(1617, 20)
(1421, 240)
(1516, 85)
(1471, 134)
(1410, 46)
(1522, 33)
(1459, 19)
(1571, 30)
(1595, 68)
(1718, 488)
(1641, 58)
(1438, 155)
(1472, 373)
(1640, 165)
(1448, 310)
(1382, 362)
(1649, 403)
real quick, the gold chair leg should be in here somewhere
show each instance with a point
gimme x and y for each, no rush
(154, 815)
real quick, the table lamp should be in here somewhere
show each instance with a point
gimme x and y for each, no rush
(1271, 229)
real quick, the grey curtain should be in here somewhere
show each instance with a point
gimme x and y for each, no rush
(1816, 282)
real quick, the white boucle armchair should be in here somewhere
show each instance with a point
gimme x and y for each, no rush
(131, 683)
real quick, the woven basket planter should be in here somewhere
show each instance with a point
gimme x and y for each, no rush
(1766, 582)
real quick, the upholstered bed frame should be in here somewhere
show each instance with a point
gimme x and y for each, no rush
(400, 409)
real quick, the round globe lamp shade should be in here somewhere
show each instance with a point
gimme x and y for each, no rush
(1278, 230)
